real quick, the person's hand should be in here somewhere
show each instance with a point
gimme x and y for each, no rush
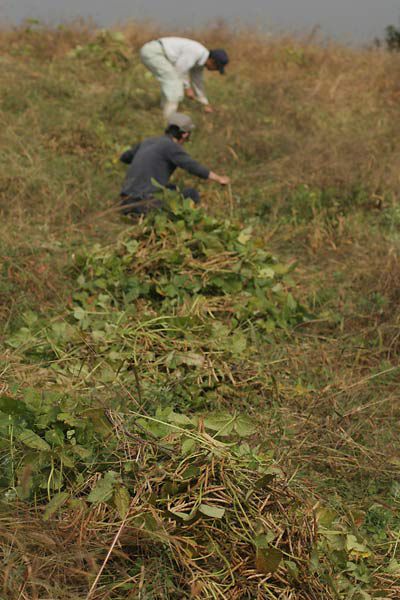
(221, 179)
(208, 108)
(190, 93)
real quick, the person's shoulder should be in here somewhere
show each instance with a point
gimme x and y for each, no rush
(168, 143)
(174, 38)
(160, 139)
(150, 141)
(164, 144)
(166, 140)
(180, 40)
(171, 148)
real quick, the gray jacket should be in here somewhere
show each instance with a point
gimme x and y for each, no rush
(156, 159)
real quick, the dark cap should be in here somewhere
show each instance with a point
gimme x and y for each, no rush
(220, 58)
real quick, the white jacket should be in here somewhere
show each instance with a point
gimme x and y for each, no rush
(188, 58)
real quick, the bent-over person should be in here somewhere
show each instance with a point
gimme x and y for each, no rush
(178, 65)
(153, 161)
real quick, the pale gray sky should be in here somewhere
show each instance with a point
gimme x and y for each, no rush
(346, 19)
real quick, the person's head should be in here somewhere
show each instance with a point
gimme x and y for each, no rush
(179, 127)
(217, 60)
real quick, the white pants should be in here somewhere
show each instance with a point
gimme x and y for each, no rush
(172, 90)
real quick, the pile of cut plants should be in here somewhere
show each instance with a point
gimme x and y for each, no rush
(133, 464)
(181, 300)
(170, 493)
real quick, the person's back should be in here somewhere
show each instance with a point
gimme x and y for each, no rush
(187, 53)
(149, 161)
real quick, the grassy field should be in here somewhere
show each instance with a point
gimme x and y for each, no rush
(203, 404)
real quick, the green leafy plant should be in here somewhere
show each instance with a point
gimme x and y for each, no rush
(108, 48)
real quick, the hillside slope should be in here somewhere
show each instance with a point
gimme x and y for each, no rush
(194, 406)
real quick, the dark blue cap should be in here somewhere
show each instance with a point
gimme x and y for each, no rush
(220, 58)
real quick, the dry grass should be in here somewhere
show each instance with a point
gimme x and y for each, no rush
(90, 553)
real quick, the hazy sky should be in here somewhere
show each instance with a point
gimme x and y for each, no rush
(346, 19)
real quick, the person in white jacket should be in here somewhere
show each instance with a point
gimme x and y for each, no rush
(178, 64)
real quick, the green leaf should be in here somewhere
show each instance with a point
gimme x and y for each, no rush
(325, 517)
(267, 273)
(55, 504)
(67, 460)
(22, 336)
(187, 518)
(393, 567)
(12, 406)
(159, 430)
(131, 246)
(358, 571)
(188, 445)
(222, 423)
(191, 472)
(263, 540)
(32, 440)
(104, 488)
(291, 302)
(314, 561)
(281, 269)
(30, 318)
(98, 420)
(336, 540)
(70, 420)
(79, 313)
(264, 481)
(353, 546)
(244, 426)
(83, 453)
(237, 343)
(179, 419)
(292, 568)
(268, 560)
(212, 511)
(55, 437)
(122, 500)
(245, 235)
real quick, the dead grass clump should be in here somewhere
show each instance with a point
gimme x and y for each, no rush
(41, 560)
(222, 521)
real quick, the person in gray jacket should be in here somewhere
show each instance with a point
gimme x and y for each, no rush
(153, 161)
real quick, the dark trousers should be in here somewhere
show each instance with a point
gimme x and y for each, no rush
(141, 206)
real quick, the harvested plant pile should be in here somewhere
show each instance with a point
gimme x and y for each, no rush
(180, 298)
(185, 511)
(171, 309)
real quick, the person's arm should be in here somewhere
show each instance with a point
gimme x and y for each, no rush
(196, 75)
(183, 65)
(186, 81)
(128, 156)
(180, 158)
